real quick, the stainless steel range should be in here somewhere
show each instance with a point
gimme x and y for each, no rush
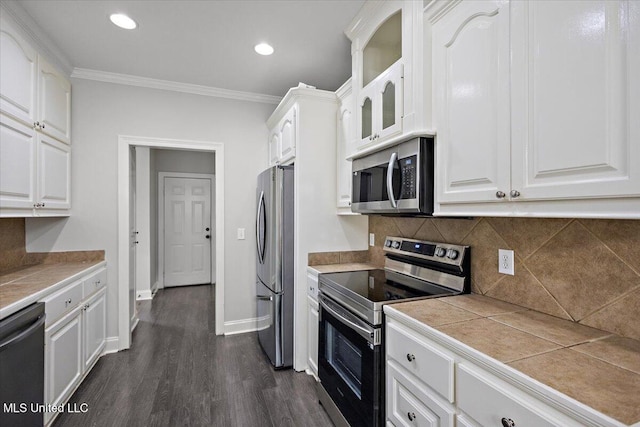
(350, 347)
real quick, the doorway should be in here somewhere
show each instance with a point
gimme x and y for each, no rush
(124, 224)
(185, 234)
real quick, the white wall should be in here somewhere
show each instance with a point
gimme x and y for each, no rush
(101, 112)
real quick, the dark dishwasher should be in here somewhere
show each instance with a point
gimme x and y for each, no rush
(22, 367)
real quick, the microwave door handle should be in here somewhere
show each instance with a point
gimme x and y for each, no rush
(392, 162)
(258, 244)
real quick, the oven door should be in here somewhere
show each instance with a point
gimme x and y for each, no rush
(396, 180)
(350, 364)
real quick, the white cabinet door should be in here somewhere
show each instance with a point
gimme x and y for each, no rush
(17, 75)
(54, 173)
(17, 164)
(63, 359)
(576, 120)
(312, 325)
(388, 112)
(54, 111)
(94, 328)
(472, 108)
(343, 141)
(274, 148)
(288, 136)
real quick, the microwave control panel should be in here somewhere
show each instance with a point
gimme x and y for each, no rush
(408, 172)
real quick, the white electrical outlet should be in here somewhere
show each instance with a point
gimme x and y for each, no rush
(240, 233)
(372, 239)
(505, 262)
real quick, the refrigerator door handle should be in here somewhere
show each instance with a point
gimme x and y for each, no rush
(265, 297)
(260, 245)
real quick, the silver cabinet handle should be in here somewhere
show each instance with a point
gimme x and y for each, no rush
(392, 162)
(411, 416)
(508, 422)
(410, 357)
(500, 194)
(515, 193)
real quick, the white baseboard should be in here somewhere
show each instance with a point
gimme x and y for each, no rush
(233, 327)
(144, 295)
(135, 323)
(155, 288)
(112, 345)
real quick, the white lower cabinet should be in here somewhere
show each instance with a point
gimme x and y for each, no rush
(312, 324)
(63, 359)
(432, 380)
(75, 336)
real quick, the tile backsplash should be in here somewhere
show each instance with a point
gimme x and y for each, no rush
(583, 270)
(13, 253)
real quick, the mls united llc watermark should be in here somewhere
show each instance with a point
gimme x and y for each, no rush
(21, 408)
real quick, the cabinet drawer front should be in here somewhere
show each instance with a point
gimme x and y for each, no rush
(488, 400)
(95, 282)
(410, 403)
(62, 301)
(430, 364)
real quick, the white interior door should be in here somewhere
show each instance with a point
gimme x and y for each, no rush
(187, 231)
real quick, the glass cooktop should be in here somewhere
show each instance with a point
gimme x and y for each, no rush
(381, 286)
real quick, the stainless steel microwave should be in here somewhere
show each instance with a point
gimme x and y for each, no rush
(397, 180)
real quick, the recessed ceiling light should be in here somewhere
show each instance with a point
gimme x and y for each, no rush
(264, 49)
(123, 21)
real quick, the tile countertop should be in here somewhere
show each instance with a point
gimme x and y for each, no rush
(339, 268)
(594, 367)
(24, 286)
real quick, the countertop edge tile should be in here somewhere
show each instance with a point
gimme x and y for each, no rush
(38, 295)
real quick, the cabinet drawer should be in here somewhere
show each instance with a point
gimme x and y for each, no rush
(430, 364)
(488, 399)
(62, 301)
(95, 282)
(411, 403)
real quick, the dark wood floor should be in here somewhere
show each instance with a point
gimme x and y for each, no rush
(179, 373)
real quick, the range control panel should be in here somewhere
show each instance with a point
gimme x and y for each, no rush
(439, 252)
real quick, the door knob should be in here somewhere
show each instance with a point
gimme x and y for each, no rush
(207, 236)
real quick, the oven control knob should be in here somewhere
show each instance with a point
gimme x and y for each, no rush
(387, 243)
(452, 254)
(441, 252)
(396, 245)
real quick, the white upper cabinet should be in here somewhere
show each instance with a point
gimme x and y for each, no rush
(344, 144)
(17, 164)
(53, 174)
(535, 102)
(31, 89)
(54, 102)
(387, 73)
(282, 139)
(471, 91)
(576, 121)
(17, 75)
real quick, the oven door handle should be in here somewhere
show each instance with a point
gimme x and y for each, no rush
(392, 162)
(364, 332)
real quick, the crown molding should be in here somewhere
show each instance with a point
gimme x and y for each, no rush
(34, 35)
(130, 80)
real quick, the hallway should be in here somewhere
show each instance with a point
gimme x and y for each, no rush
(178, 372)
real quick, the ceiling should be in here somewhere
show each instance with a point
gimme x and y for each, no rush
(207, 43)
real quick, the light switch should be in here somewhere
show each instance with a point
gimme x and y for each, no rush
(240, 233)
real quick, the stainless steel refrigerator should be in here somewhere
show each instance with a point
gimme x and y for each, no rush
(274, 265)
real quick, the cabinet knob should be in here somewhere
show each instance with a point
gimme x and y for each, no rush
(412, 416)
(36, 125)
(42, 127)
(508, 422)
(515, 193)
(410, 357)
(500, 194)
